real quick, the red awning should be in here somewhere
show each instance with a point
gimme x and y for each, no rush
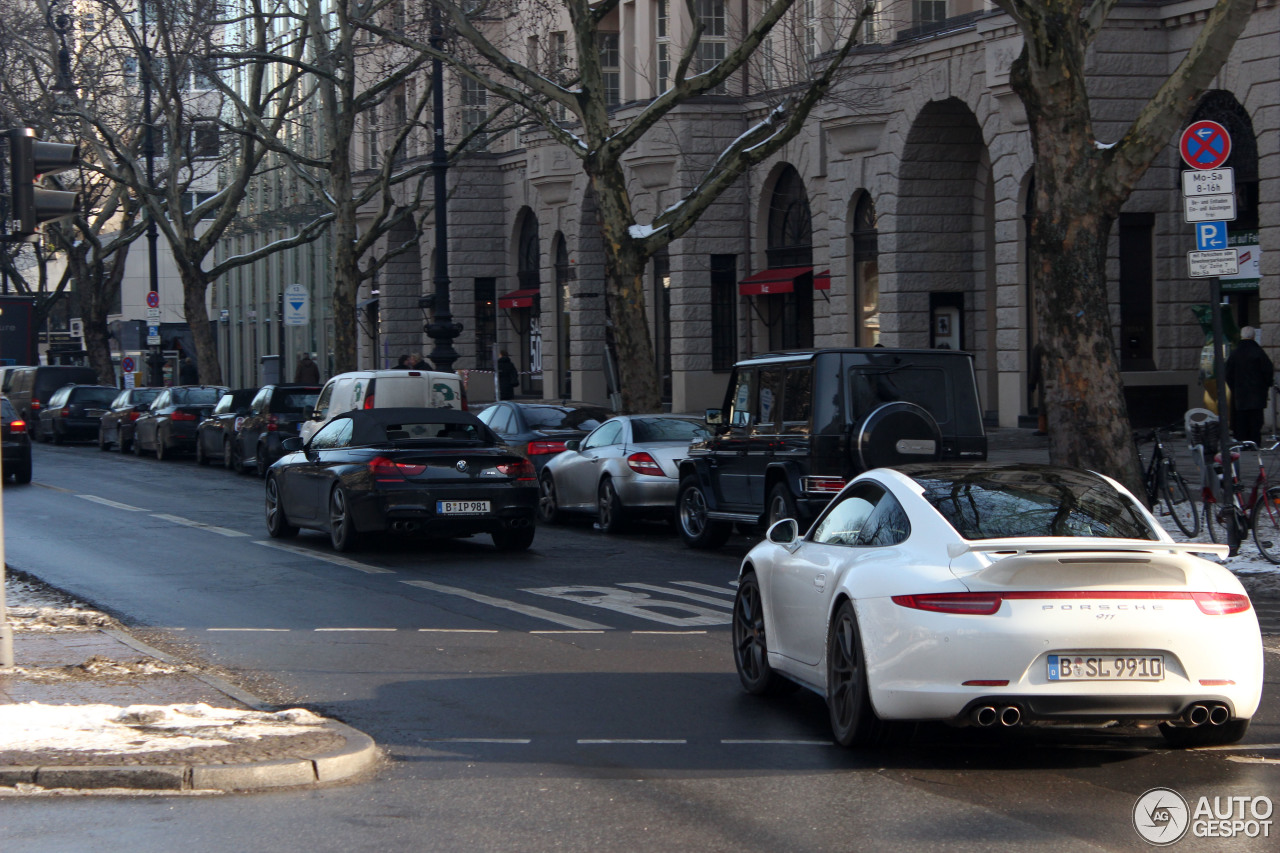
(772, 281)
(822, 280)
(519, 298)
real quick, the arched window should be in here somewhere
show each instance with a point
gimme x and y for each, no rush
(790, 246)
(866, 273)
(529, 280)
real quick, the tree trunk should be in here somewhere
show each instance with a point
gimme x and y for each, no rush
(195, 287)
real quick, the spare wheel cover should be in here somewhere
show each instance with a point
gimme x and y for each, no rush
(897, 434)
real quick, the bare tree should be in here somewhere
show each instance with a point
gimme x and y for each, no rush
(1080, 186)
(570, 98)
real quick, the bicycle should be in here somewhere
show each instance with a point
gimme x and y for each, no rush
(1165, 486)
(1259, 513)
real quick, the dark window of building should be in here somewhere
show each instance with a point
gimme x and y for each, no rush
(486, 291)
(529, 277)
(724, 311)
(866, 274)
(1137, 343)
(564, 275)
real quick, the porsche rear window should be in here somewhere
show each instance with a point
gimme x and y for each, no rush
(987, 503)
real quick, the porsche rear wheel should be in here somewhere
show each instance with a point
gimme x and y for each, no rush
(750, 647)
(853, 720)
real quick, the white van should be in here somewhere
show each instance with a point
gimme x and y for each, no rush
(384, 389)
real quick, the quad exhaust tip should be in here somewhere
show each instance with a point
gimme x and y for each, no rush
(1201, 714)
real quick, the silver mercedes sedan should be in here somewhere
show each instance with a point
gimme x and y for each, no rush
(626, 468)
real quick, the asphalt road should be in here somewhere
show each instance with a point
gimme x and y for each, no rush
(578, 697)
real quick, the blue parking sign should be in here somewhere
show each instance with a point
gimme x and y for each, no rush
(1210, 236)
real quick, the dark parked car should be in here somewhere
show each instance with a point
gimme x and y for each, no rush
(31, 387)
(796, 426)
(74, 412)
(539, 430)
(117, 422)
(434, 472)
(169, 424)
(215, 434)
(17, 443)
(277, 412)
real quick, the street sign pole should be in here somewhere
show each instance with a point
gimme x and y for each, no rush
(1228, 490)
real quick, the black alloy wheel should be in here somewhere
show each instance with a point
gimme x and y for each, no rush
(161, 455)
(696, 529)
(853, 720)
(610, 513)
(548, 502)
(781, 505)
(342, 527)
(278, 526)
(750, 647)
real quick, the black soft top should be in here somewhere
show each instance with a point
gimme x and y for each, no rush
(369, 426)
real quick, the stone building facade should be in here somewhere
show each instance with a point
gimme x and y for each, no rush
(896, 217)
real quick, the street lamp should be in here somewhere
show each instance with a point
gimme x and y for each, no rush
(442, 329)
(149, 151)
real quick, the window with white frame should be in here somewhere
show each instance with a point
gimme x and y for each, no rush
(610, 67)
(475, 108)
(714, 44)
(371, 139)
(663, 31)
(810, 29)
(929, 12)
(205, 140)
(558, 67)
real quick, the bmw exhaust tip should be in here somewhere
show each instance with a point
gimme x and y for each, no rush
(1197, 715)
(984, 717)
(1218, 715)
(1010, 716)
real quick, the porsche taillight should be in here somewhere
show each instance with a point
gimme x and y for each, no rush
(971, 603)
(1221, 603)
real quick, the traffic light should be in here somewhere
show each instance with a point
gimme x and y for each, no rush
(30, 205)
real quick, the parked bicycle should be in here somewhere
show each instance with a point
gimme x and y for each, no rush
(1165, 487)
(1259, 512)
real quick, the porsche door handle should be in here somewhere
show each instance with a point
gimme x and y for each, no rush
(820, 581)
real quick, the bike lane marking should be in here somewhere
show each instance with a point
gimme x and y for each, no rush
(515, 607)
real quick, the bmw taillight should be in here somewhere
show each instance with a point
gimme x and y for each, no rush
(182, 416)
(1221, 603)
(522, 470)
(388, 470)
(273, 423)
(18, 426)
(643, 463)
(545, 446)
(972, 603)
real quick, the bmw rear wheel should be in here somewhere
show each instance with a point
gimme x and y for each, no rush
(750, 649)
(278, 526)
(853, 720)
(342, 527)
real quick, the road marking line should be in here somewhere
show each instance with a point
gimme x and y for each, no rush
(692, 596)
(263, 630)
(670, 633)
(515, 740)
(458, 630)
(574, 631)
(705, 587)
(199, 525)
(777, 741)
(525, 609)
(328, 558)
(355, 629)
(112, 504)
(1241, 747)
(597, 741)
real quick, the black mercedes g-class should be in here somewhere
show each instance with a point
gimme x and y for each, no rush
(796, 426)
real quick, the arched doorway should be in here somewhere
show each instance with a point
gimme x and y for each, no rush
(564, 318)
(788, 311)
(523, 306)
(865, 311)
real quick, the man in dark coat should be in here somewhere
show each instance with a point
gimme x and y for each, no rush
(187, 373)
(308, 372)
(508, 376)
(1250, 375)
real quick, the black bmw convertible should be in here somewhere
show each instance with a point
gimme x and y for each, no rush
(430, 472)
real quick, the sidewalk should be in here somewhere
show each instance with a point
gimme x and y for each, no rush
(89, 706)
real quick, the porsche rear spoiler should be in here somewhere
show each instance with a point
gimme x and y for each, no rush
(1050, 544)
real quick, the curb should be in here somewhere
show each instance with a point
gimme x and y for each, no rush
(357, 754)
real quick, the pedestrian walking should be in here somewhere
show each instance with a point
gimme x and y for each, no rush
(508, 376)
(1035, 382)
(1250, 375)
(188, 373)
(308, 372)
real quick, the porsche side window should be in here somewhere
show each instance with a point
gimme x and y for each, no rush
(845, 521)
(888, 525)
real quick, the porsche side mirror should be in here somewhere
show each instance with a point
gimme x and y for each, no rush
(784, 532)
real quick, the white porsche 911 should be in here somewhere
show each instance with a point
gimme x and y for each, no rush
(992, 595)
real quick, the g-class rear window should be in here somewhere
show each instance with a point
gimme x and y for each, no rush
(872, 387)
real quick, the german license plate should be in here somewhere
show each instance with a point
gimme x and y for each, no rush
(1116, 667)
(462, 507)
(95, 413)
